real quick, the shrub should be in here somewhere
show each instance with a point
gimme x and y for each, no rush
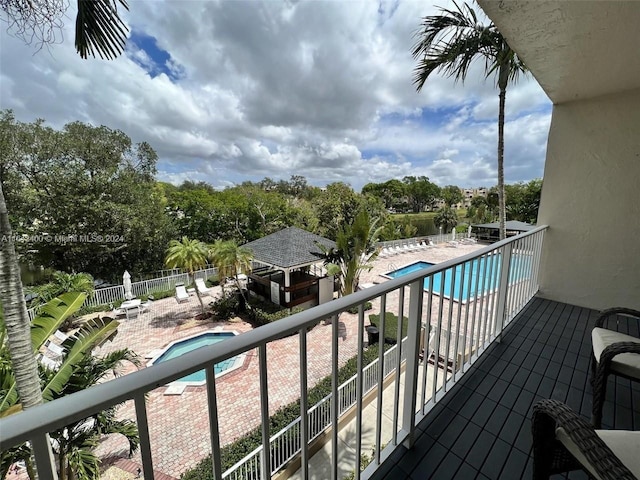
(212, 281)
(226, 306)
(260, 317)
(354, 310)
(390, 326)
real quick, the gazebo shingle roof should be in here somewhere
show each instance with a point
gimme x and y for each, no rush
(288, 248)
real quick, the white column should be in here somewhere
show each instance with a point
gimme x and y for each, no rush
(287, 283)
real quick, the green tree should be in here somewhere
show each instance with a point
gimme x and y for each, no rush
(393, 193)
(479, 210)
(447, 218)
(421, 192)
(354, 252)
(86, 198)
(230, 260)
(190, 255)
(337, 206)
(451, 195)
(450, 42)
(523, 201)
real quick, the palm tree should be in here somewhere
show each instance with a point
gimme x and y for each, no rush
(190, 255)
(16, 319)
(230, 259)
(450, 42)
(98, 29)
(354, 251)
(447, 218)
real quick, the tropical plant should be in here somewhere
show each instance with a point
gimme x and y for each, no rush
(15, 321)
(354, 251)
(77, 370)
(450, 42)
(190, 255)
(60, 283)
(98, 26)
(447, 218)
(230, 260)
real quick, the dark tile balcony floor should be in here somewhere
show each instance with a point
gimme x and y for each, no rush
(482, 428)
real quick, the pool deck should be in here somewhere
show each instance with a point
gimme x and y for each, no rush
(178, 424)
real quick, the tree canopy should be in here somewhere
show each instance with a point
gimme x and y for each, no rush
(84, 198)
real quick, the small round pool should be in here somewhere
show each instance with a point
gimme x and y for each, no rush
(180, 347)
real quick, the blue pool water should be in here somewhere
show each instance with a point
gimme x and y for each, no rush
(487, 268)
(190, 344)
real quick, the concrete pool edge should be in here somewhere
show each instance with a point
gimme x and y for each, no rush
(237, 364)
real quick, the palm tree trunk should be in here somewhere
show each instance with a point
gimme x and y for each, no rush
(16, 318)
(193, 277)
(501, 201)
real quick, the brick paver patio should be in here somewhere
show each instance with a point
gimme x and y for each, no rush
(178, 424)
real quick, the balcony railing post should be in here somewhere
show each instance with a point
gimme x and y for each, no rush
(44, 457)
(503, 287)
(416, 292)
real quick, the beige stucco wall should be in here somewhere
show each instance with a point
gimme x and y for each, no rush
(591, 202)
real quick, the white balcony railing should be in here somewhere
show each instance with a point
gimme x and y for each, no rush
(466, 302)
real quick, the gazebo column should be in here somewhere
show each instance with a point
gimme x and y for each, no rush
(287, 283)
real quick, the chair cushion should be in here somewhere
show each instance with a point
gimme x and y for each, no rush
(623, 443)
(626, 363)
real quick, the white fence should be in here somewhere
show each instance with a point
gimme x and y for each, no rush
(109, 295)
(285, 444)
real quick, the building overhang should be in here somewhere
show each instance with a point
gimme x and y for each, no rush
(576, 50)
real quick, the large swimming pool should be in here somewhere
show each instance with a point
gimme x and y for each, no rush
(175, 349)
(484, 273)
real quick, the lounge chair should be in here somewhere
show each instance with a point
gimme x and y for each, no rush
(613, 353)
(563, 441)
(56, 351)
(50, 363)
(181, 294)
(202, 288)
(60, 335)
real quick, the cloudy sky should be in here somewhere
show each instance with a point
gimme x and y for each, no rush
(227, 91)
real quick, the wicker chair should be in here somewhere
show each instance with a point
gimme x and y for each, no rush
(563, 441)
(613, 353)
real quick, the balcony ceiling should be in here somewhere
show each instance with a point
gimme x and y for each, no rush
(575, 49)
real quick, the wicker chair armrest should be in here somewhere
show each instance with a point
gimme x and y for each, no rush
(606, 314)
(551, 414)
(614, 349)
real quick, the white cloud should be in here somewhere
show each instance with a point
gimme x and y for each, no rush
(321, 89)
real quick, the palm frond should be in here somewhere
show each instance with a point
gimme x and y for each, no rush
(451, 41)
(93, 333)
(52, 314)
(99, 28)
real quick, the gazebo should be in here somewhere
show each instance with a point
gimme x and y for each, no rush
(490, 232)
(289, 274)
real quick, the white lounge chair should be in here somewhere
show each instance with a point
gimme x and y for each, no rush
(55, 350)
(181, 294)
(49, 363)
(60, 335)
(202, 287)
